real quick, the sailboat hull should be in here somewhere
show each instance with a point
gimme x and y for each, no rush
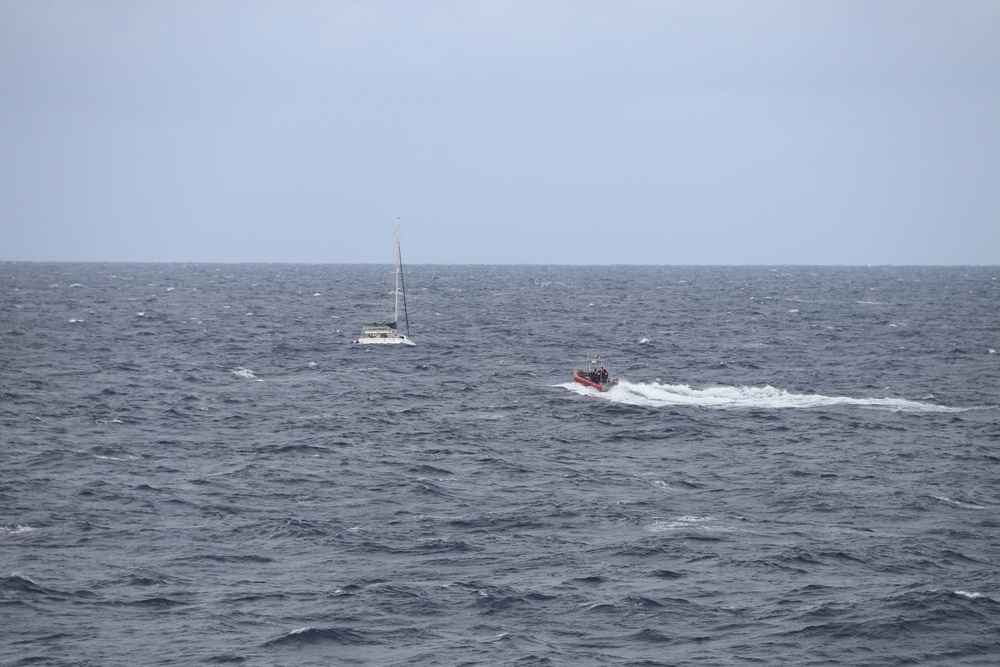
(382, 334)
(390, 339)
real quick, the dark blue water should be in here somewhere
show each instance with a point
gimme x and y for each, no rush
(799, 466)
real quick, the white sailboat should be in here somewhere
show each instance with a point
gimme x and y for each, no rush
(388, 334)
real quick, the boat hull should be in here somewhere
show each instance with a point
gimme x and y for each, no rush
(388, 340)
(382, 334)
(581, 377)
(390, 337)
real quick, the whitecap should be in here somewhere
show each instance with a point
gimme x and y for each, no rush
(127, 457)
(680, 523)
(957, 503)
(971, 596)
(246, 374)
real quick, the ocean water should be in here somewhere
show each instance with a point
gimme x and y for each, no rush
(799, 466)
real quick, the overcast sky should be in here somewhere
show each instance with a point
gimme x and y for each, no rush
(506, 131)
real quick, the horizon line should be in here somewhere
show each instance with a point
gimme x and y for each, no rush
(412, 264)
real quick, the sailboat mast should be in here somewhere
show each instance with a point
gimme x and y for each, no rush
(400, 284)
(395, 314)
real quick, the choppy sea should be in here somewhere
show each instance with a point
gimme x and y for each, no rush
(799, 465)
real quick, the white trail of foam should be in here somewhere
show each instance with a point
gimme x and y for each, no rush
(663, 395)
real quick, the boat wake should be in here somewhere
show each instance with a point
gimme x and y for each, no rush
(661, 395)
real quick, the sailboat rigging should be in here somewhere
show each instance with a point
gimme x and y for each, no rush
(388, 333)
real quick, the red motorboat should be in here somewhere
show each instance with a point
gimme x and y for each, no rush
(595, 375)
